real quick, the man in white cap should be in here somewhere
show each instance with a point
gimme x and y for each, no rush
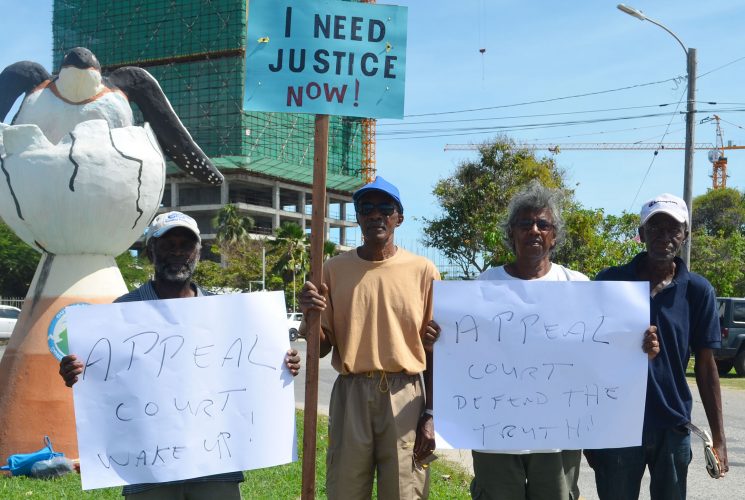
(376, 303)
(683, 308)
(173, 245)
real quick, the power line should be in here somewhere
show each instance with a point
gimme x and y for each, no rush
(412, 134)
(541, 101)
(602, 132)
(540, 115)
(654, 155)
(733, 124)
(721, 67)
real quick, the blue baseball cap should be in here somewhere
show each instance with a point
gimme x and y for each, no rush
(382, 185)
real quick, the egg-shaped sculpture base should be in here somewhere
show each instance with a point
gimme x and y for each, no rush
(93, 192)
(34, 401)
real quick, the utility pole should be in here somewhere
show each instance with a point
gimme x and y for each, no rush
(690, 131)
(690, 122)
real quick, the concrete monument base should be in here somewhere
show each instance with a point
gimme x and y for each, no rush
(34, 401)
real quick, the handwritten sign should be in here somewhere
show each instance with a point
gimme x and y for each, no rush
(176, 389)
(532, 365)
(326, 56)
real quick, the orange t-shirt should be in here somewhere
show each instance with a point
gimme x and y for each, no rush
(376, 310)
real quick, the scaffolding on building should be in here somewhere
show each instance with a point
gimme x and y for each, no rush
(196, 50)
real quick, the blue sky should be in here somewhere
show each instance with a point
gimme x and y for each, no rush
(535, 51)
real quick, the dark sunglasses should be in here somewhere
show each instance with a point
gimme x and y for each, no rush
(385, 208)
(526, 224)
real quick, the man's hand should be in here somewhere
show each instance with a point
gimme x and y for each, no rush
(425, 437)
(650, 345)
(292, 361)
(311, 299)
(720, 448)
(430, 335)
(69, 369)
(707, 380)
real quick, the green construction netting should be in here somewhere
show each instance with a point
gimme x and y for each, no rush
(136, 31)
(276, 168)
(195, 48)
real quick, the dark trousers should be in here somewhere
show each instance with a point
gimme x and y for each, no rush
(619, 471)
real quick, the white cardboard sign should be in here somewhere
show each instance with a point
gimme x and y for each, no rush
(176, 389)
(532, 365)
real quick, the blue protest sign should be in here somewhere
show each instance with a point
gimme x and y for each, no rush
(326, 57)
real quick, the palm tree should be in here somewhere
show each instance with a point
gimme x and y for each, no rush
(232, 231)
(232, 227)
(291, 244)
(329, 250)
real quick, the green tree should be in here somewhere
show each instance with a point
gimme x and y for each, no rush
(241, 271)
(18, 263)
(595, 241)
(719, 212)
(718, 233)
(474, 202)
(720, 260)
(135, 270)
(330, 249)
(290, 246)
(212, 276)
(232, 229)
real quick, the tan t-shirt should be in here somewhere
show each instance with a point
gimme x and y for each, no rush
(376, 311)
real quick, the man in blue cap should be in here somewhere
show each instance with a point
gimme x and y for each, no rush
(376, 303)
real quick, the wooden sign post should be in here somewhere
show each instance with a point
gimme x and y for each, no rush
(323, 58)
(313, 319)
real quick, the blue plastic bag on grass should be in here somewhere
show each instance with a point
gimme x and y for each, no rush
(20, 464)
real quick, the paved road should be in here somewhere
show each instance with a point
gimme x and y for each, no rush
(700, 485)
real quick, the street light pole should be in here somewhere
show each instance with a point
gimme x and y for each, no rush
(690, 131)
(690, 123)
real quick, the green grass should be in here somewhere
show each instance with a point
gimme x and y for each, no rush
(447, 480)
(731, 380)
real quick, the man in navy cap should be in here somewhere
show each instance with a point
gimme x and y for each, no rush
(683, 308)
(375, 303)
(173, 245)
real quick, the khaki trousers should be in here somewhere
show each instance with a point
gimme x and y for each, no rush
(372, 427)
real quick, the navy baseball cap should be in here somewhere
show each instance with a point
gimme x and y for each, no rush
(382, 185)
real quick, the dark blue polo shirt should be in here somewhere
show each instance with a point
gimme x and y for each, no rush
(686, 318)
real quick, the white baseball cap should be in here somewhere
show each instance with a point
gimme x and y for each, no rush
(167, 221)
(665, 203)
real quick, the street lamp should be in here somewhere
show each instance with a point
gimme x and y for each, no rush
(690, 121)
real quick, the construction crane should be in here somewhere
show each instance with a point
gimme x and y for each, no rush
(368, 149)
(717, 158)
(716, 152)
(368, 142)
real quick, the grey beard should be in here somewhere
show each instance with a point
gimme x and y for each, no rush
(162, 273)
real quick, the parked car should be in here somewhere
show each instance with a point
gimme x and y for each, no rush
(8, 317)
(293, 323)
(732, 322)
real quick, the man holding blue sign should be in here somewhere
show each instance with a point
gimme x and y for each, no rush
(375, 302)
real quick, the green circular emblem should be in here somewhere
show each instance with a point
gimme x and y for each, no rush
(57, 332)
